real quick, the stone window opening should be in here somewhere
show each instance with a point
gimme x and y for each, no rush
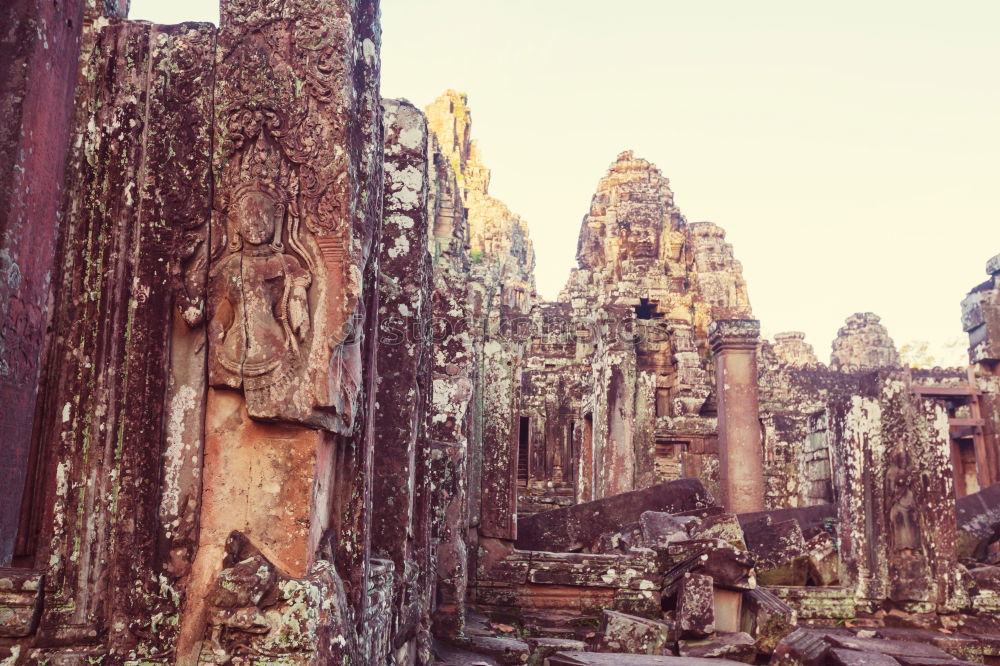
(966, 469)
(669, 460)
(647, 310)
(523, 451)
(662, 401)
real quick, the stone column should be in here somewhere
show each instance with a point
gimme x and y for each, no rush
(291, 313)
(499, 472)
(734, 343)
(39, 62)
(404, 355)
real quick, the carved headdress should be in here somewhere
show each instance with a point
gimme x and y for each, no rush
(258, 165)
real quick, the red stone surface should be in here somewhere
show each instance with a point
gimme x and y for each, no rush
(39, 64)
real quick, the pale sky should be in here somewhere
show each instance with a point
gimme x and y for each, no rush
(851, 150)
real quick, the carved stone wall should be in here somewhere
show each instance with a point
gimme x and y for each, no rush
(298, 388)
(551, 394)
(893, 476)
(144, 262)
(102, 430)
(291, 229)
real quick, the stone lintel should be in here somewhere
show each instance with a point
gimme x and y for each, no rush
(734, 334)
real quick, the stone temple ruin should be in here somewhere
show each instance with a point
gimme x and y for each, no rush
(277, 389)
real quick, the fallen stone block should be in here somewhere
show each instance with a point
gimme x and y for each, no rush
(802, 647)
(819, 603)
(959, 646)
(767, 618)
(810, 518)
(635, 635)
(990, 644)
(729, 567)
(930, 661)
(541, 648)
(978, 518)
(986, 578)
(699, 514)
(781, 553)
(695, 607)
(841, 657)
(680, 558)
(659, 529)
(506, 651)
(642, 603)
(578, 527)
(449, 655)
(710, 557)
(590, 570)
(477, 624)
(610, 659)
(736, 646)
(724, 526)
(824, 560)
(618, 542)
(893, 648)
(896, 617)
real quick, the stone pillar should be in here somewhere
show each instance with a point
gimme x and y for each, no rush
(136, 185)
(499, 472)
(734, 343)
(404, 354)
(39, 61)
(455, 361)
(291, 312)
(40, 54)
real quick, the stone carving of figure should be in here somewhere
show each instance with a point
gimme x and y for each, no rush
(259, 292)
(910, 578)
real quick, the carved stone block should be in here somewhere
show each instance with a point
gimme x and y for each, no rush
(291, 230)
(20, 601)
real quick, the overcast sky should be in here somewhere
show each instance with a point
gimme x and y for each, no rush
(851, 150)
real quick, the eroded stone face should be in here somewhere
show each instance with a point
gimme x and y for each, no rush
(792, 349)
(863, 344)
